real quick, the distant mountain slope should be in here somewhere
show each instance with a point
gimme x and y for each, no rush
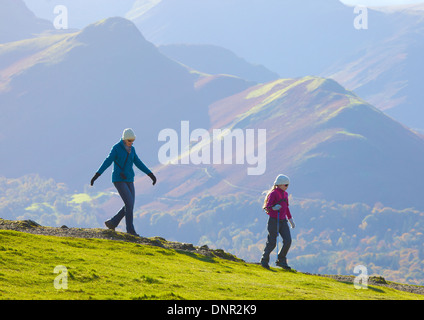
(70, 97)
(17, 22)
(91, 84)
(388, 74)
(331, 143)
(216, 60)
(299, 38)
(293, 38)
(81, 12)
(416, 9)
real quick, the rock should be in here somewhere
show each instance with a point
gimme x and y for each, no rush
(29, 224)
(377, 280)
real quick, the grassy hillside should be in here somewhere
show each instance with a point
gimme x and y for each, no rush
(330, 238)
(107, 269)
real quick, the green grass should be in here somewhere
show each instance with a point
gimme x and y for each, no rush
(84, 197)
(103, 269)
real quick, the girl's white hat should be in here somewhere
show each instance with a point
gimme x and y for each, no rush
(128, 134)
(281, 179)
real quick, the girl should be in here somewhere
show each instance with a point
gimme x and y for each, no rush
(276, 205)
(123, 156)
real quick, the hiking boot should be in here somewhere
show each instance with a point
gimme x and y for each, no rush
(133, 233)
(283, 264)
(264, 264)
(109, 225)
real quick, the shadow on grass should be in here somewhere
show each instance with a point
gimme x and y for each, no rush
(368, 287)
(196, 256)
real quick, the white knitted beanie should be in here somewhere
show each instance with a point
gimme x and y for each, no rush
(128, 134)
(281, 179)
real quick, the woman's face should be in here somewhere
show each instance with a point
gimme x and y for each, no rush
(129, 142)
(283, 186)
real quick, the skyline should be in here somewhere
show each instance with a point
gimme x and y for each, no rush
(382, 3)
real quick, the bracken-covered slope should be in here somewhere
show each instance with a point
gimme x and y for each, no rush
(332, 144)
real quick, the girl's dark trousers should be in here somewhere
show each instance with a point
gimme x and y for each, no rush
(284, 231)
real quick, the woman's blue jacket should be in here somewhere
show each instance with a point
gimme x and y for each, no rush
(117, 155)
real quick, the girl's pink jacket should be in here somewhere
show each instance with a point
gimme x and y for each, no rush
(273, 199)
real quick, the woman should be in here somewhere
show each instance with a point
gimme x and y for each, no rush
(276, 205)
(123, 155)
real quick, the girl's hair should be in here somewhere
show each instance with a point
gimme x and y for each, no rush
(267, 192)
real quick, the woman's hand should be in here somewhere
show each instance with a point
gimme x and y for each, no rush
(152, 176)
(94, 178)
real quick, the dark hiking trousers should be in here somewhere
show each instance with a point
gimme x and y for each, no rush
(127, 193)
(284, 231)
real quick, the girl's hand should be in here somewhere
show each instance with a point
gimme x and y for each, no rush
(292, 223)
(276, 207)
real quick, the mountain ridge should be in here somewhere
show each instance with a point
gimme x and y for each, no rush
(84, 77)
(298, 38)
(386, 74)
(320, 134)
(17, 22)
(216, 60)
(318, 24)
